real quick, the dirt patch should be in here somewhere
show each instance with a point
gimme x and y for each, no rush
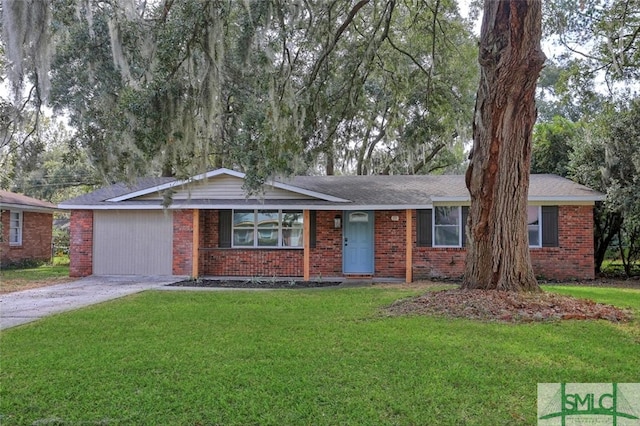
(507, 307)
(10, 286)
(254, 283)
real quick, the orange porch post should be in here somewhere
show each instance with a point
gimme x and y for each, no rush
(195, 255)
(409, 249)
(306, 246)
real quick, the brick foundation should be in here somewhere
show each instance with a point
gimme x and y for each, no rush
(37, 230)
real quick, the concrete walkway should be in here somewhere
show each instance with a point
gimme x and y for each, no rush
(25, 306)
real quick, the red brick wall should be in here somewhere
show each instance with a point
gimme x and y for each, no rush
(325, 259)
(390, 244)
(37, 229)
(255, 263)
(182, 242)
(573, 259)
(81, 243)
(429, 262)
(218, 261)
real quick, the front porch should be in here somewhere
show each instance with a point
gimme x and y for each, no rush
(320, 254)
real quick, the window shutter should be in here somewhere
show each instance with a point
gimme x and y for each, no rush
(224, 228)
(465, 215)
(549, 226)
(423, 226)
(312, 228)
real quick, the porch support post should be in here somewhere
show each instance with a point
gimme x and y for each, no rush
(306, 244)
(195, 255)
(409, 250)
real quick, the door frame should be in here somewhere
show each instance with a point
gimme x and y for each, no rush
(370, 235)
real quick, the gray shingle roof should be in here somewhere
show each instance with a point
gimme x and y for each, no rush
(381, 190)
(416, 188)
(12, 199)
(361, 191)
(116, 190)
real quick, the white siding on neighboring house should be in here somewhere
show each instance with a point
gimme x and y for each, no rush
(132, 242)
(225, 188)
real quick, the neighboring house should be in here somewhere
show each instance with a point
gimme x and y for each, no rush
(314, 227)
(27, 227)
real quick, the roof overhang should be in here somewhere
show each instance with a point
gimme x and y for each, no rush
(244, 206)
(27, 208)
(537, 199)
(571, 199)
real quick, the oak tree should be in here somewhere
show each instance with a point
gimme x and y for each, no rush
(510, 59)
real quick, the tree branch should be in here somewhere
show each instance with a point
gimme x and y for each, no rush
(336, 37)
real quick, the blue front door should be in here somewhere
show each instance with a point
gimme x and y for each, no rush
(357, 256)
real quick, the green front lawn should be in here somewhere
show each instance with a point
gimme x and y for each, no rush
(297, 357)
(36, 273)
(16, 279)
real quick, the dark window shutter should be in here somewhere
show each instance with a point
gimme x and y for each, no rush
(312, 228)
(423, 226)
(549, 226)
(224, 228)
(465, 215)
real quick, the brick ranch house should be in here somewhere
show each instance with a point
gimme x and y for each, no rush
(27, 228)
(310, 227)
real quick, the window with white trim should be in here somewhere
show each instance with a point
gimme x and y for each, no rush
(534, 222)
(447, 229)
(15, 228)
(267, 228)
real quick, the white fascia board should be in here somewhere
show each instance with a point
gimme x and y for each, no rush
(451, 199)
(573, 199)
(340, 207)
(244, 207)
(376, 207)
(556, 199)
(26, 208)
(107, 207)
(229, 172)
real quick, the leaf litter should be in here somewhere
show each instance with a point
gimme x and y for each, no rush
(508, 307)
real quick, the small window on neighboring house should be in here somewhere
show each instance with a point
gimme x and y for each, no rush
(15, 228)
(447, 226)
(534, 226)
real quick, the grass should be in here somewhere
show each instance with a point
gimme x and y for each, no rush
(319, 357)
(15, 279)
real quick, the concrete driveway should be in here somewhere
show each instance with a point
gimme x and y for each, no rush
(25, 306)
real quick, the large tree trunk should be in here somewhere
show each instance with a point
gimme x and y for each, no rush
(498, 176)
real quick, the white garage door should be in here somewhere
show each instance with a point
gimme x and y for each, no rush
(132, 242)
